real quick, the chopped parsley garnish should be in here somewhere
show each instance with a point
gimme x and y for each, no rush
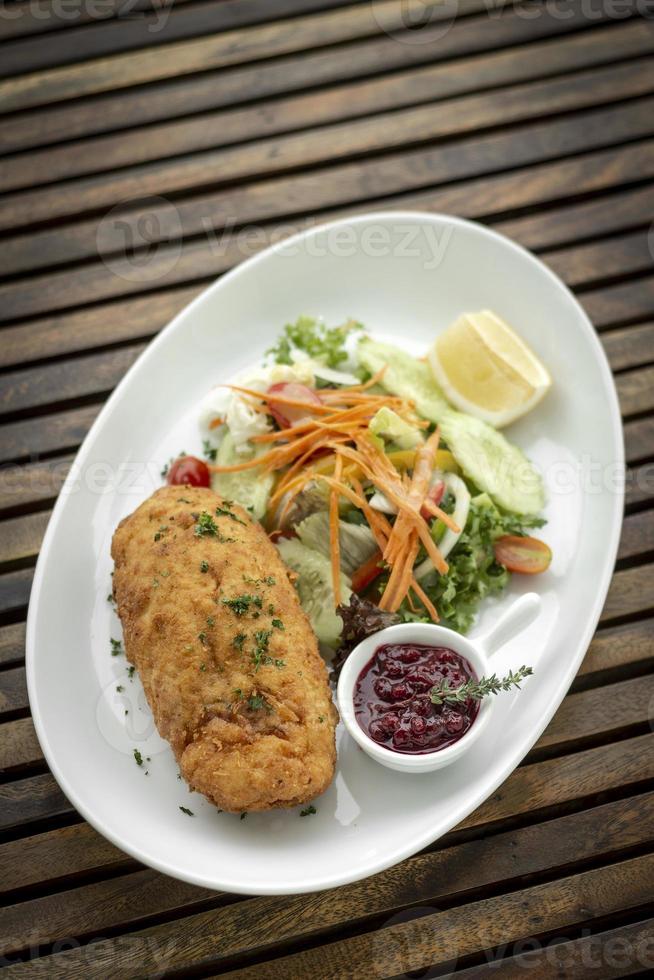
(202, 637)
(202, 667)
(268, 580)
(239, 640)
(130, 671)
(205, 524)
(260, 655)
(257, 701)
(204, 566)
(120, 688)
(110, 597)
(160, 533)
(138, 758)
(240, 604)
(211, 621)
(277, 623)
(226, 512)
(243, 816)
(308, 811)
(116, 648)
(209, 451)
(183, 500)
(321, 718)
(185, 809)
(238, 693)
(326, 344)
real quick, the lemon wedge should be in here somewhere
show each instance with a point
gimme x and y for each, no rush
(485, 369)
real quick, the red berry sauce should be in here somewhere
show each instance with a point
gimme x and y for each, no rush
(392, 703)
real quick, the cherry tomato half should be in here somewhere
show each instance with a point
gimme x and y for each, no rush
(527, 556)
(286, 416)
(189, 471)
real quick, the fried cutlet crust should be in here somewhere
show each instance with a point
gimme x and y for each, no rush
(228, 659)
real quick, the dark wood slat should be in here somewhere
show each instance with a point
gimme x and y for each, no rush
(26, 800)
(13, 690)
(161, 25)
(418, 943)
(208, 131)
(296, 73)
(56, 433)
(631, 592)
(264, 201)
(630, 346)
(619, 304)
(620, 646)
(12, 643)
(215, 51)
(639, 444)
(427, 877)
(581, 265)
(639, 482)
(607, 955)
(22, 536)
(35, 17)
(15, 591)
(401, 947)
(328, 144)
(33, 483)
(93, 327)
(57, 854)
(63, 380)
(636, 390)
(19, 745)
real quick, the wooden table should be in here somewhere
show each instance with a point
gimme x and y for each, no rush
(266, 115)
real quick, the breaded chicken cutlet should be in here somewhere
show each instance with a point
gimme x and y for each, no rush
(228, 659)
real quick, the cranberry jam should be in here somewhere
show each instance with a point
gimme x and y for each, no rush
(392, 703)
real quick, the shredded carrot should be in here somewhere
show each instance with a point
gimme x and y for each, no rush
(334, 540)
(441, 515)
(216, 423)
(425, 600)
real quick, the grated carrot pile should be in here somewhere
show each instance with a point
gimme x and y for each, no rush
(333, 445)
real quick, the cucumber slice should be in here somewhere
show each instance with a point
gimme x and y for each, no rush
(250, 488)
(493, 463)
(405, 376)
(356, 540)
(314, 587)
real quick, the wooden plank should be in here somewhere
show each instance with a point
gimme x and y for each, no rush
(13, 690)
(636, 391)
(613, 305)
(299, 72)
(583, 265)
(25, 801)
(93, 327)
(599, 712)
(215, 51)
(55, 433)
(427, 877)
(55, 383)
(631, 592)
(155, 25)
(15, 591)
(56, 855)
(430, 940)
(167, 265)
(630, 346)
(36, 17)
(31, 484)
(329, 144)
(403, 947)
(639, 444)
(607, 955)
(620, 646)
(19, 745)
(639, 480)
(347, 101)
(12, 644)
(22, 536)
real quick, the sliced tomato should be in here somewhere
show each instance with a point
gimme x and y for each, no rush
(435, 495)
(527, 556)
(367, 573)
(189, 471)
(286, 416)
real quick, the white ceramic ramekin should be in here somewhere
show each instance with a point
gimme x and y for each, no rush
(478, 653)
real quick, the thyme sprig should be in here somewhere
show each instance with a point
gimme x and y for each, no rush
(478, 690)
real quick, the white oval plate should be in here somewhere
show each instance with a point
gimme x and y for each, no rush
(405, 275)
